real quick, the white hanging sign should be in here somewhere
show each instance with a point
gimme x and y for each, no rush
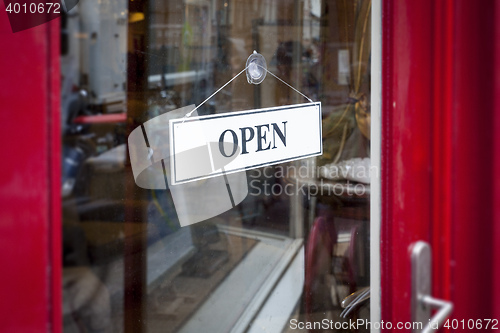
(213, 145)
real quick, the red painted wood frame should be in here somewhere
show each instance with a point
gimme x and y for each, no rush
(441, 152)
(30, 201)
(441, 144)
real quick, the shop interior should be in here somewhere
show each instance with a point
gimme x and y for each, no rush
(297, 247)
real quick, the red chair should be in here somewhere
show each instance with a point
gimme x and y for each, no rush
(326, 268)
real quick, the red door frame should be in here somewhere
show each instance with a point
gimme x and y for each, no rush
(30, 202)
(440, 151)
(440, 127)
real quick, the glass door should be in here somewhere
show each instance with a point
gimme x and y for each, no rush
(295, 253)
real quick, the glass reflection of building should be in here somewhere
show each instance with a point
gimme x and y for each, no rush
(127, 62)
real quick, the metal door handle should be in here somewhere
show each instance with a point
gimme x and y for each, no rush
(421, 299)
(445, 309)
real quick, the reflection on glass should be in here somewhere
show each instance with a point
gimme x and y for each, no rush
(296, 247)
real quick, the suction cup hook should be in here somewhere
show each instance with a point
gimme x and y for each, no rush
(256, 68)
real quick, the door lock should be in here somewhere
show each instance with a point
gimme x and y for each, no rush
(421, 300)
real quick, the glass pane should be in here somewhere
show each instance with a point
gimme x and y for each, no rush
(295, 248)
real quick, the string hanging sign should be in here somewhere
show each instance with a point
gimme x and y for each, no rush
(202, 159)
(244, 140)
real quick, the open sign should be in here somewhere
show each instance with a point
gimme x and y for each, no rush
(243, 140)
(263, 138)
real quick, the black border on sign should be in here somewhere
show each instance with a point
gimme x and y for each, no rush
(239, 113)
